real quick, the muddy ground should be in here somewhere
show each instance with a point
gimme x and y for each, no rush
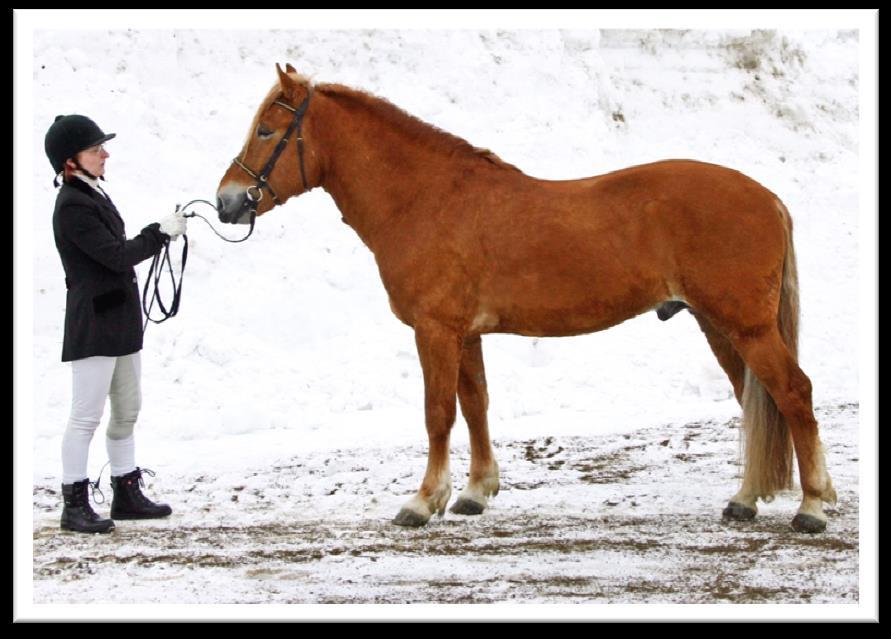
(597, 520)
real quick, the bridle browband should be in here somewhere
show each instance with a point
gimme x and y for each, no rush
(263, 178)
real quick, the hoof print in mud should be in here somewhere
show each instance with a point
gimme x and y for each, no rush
(738, 512)
(808, 524)
(467, 507)
(410, 518)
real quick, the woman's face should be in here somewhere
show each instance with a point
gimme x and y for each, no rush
(93, 159)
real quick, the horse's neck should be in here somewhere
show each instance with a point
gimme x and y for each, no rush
(373, 170)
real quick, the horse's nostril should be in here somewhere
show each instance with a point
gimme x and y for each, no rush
(224, 206)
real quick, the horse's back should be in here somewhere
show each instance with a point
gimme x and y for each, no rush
(582, 255)
(701, 212)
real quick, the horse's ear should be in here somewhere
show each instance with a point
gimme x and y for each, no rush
(289, 87)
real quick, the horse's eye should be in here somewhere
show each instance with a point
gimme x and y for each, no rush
(264, 133)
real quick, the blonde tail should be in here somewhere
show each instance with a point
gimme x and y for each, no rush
(768, 450)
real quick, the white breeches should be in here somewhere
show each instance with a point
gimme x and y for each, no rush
(96, 379)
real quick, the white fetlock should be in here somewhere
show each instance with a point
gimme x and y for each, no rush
(746, 499)
(822, 478)
(419, 506)
(438, 501)
(474, 493)
(813, 507)
(435, 504)
(829, 495)
(418, 510)
(481, 490)
(441, 499)
(491, 484)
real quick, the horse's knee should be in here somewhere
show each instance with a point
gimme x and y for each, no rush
(440, 417)
(474, 403)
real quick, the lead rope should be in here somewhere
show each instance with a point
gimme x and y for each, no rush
(95, 486)
(162, 257)
(225, 239)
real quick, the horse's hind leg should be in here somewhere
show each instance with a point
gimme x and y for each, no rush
(439, 349)
(742, 506)
(474, 399)
(728, 358)
(777, 371)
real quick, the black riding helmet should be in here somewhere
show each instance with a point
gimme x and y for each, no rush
(69, 135)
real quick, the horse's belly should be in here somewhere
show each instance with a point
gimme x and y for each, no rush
(559, 323)
(555, 313)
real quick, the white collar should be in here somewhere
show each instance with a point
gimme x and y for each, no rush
(92, 182)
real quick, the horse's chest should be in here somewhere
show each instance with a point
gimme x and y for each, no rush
(421, 281)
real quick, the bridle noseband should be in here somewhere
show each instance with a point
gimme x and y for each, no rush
(263, 178)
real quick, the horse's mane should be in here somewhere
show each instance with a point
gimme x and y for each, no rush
(429, 134)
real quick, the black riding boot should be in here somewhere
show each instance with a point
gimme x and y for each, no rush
(130, 503)
(78, 515)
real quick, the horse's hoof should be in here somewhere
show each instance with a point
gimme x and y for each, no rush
(467, 507)
(808, 524)
(738, 512)
(407, 517)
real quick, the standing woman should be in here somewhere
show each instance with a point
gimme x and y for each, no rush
(103, 322)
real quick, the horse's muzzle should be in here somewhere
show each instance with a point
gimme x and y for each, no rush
(233, 208)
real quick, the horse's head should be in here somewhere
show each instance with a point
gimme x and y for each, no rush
(271, 167)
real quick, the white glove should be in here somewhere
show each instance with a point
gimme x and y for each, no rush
(174, 225)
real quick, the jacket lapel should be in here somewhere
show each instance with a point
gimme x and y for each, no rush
(106, 207)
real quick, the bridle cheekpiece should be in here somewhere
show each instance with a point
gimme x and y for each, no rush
(254, 193)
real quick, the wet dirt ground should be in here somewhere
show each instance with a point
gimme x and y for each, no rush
(594, 520)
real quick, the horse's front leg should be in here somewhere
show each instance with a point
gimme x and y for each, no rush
(474, 398)
(439, 349)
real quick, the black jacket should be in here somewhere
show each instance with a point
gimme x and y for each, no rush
(103, 313)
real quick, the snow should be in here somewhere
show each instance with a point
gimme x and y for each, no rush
(285, 350)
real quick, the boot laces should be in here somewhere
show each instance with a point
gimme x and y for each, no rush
(81, 500)
(144, 470)
(145, 500)
(136, 492)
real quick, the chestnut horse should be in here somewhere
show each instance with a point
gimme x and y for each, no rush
(467, 244)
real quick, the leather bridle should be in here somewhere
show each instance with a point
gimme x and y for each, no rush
(263, 177)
